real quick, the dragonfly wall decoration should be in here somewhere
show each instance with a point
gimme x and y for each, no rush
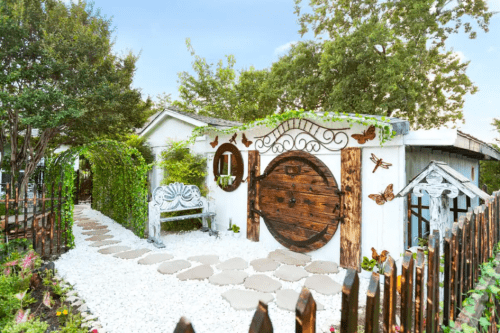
(379, 163)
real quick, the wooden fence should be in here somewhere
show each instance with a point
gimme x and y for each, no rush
(36, 217)
(466, 245)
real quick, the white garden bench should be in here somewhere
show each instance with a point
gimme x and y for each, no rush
(173, 198)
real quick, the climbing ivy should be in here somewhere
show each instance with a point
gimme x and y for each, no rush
(385, 128)
(119, 188)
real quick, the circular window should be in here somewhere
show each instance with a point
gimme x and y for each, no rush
(228, 167)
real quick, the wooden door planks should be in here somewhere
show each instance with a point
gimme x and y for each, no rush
(350, 233)
(253, 220)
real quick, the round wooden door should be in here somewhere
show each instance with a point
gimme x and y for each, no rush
(299, 201)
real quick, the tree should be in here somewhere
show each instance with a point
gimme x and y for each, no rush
(490, 170)
(58, 77)
(389, 57)
(221, 92)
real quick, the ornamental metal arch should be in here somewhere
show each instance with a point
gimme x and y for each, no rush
(310, 138)
(120, 180)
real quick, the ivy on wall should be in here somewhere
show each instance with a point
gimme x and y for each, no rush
(385, 128)
(119, 184)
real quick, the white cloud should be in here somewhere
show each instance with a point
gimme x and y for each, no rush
(492, 49)
(460, 55)
(284, 48)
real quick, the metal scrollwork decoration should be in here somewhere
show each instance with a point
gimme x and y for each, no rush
(311, 138)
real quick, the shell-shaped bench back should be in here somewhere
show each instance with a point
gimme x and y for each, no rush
(177, 196)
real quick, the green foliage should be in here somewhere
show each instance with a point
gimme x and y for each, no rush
(181, 166)
(235, 228)
(31, 326)
(385, 132)
(139, 143)
(58, 75)
(368, 264)
(119, 181)
(220, 92)
(490, 170)
(223, 181)
(389, 57)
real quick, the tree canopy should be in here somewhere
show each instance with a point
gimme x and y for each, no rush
(383, 58)
(59, 78)
(490, 170)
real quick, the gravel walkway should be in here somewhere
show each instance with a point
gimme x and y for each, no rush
(130, 297)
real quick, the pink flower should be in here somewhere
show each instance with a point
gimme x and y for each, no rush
(55, 283)
(6, 271)
(21, 316)
(28, 260)
(95, 331)
(46, 300)
(11, 263)
(20, 296)
(397, 328)
(332, 329)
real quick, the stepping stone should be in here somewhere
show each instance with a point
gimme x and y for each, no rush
(87, 224)
(210, 259)
(323, 285)
(155, 258)
(96, 232)
(114, 249)
(171, 267)
(197, 273)
(228, 277)
(104, 243)
(263, 283)
(132, 254)
(99, 238)
(286, 299)
(323, 267)
(289, 257)
(264, 265)
(246, 299)
(290, 273)
(233, 263)
(97, 227)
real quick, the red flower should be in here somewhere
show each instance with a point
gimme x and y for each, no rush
(95, 331)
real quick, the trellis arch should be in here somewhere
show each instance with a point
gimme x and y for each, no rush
(119, 181)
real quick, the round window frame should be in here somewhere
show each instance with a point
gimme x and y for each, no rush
(238, 176)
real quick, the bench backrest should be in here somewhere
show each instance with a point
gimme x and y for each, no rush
(177, 196)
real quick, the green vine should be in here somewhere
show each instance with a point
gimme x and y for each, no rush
(119, 182)
(385, 128)
(490, 285)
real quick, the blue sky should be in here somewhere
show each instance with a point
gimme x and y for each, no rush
(255, 32)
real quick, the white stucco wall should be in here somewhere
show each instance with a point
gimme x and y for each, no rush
(382, 226)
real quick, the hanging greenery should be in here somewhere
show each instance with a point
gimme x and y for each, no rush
(119, 188)
(385, 128)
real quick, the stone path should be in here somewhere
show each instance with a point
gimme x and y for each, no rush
(284, 265)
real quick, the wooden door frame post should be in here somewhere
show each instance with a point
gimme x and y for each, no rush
(253, 219)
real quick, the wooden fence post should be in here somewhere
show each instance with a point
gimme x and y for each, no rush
(51, 219)
(372, 304)
(44, 222)
(419, 292)
(407, 292)
(184, 326)
(390, 281)
(431, 281)
(447, 286)
(349, 312)
(25, 204)
(437, 266)
(7, 197)
(454, 271)
(460, 263)
(253, 220)
(34, 223)
(305, 313)
(261, 323)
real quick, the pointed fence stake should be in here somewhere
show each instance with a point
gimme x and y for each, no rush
(349, 315)
(261, 323)
(305, 313)
(373, 304)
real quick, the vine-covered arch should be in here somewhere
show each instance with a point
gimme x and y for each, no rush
(119, 181)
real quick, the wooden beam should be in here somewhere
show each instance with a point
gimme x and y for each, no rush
(253, 220)
(350, 231)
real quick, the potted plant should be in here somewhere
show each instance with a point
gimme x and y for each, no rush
(236, 231)
(224, 181)
(367, 267)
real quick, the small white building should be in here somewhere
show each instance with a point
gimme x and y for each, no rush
(312, 184)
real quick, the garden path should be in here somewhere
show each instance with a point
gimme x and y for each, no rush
(242, 282)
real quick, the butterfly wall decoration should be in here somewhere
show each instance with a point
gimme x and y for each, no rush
(369, 134)
(215, 142)
(245, 141)
(379, 163)
(383, 197)
(233, 138)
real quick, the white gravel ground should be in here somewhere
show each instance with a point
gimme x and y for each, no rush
(128, 297)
